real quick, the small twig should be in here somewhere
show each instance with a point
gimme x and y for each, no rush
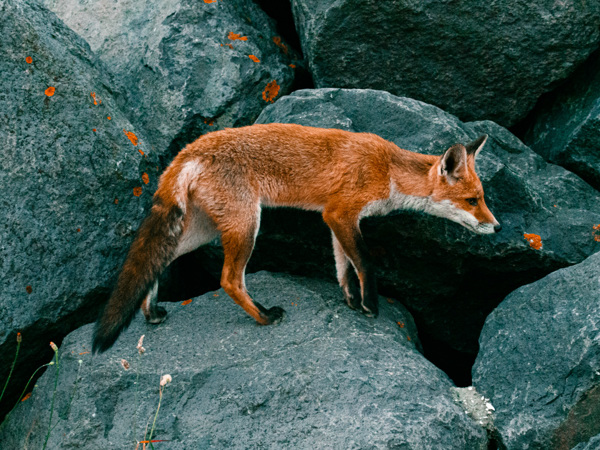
(72, 394)
(163, 382)
(13, 365)
(55, 348)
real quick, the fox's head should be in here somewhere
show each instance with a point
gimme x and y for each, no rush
(457, 192)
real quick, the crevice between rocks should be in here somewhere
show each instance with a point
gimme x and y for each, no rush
(281, 12)
(184, 279)
(585, 71)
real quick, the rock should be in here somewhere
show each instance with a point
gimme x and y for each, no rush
(540, 358)
(326, 377)
(186, 67)
(566, 128)
(76, 178)
(449, 278)
(489, 60)
(592, 444)
(476, 405)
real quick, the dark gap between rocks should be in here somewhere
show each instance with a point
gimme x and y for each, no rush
(546, 100)
(281, 12)
(575, 84)
(457, 365)
(184, 279)
(35, 348)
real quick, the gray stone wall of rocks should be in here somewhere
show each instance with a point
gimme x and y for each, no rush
(97, 97)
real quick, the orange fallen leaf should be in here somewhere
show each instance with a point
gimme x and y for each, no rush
(26, 396)
(96, 100)
(116, 201)
(596, 232)
(237, 37)
(254, 58)
(131, 136)
(94, 130)
(141, 152)
(137, 191)
(400, 324)
(271, 91)
(29, 60)
(534, 240)
(209, 1)
(29, 289)
(186, 302)
(79, 230)
(293, 66)
(83, 353)
(145, 178)
(215, 295)
(280, 44)
(109, 118)
(50, 91)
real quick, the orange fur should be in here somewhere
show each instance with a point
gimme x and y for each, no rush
(221, 181)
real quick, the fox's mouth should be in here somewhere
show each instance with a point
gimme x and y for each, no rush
(483, 228)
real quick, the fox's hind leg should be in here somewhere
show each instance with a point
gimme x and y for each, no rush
(346, 275)
(237, 237)
(198, 229)
(153, 313)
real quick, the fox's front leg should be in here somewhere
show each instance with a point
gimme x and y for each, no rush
(347, 234)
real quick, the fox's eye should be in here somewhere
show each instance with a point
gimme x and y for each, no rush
(472, 201)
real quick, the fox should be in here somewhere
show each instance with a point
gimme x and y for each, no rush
(218, 185)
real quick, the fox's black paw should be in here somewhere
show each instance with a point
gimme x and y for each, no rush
(370, 308)
(369, 314)
(158, 315)
(275, 314)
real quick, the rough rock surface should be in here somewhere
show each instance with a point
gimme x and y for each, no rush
(74, 184)
(539, 361)
(566, 130)
(187, 67)
(478, 60)
(326, 377)
(592, 444)
(449, 277)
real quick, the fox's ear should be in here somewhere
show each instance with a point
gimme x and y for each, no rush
(453, 163)
(475, 147)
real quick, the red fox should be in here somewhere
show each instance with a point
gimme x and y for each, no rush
(218, 185)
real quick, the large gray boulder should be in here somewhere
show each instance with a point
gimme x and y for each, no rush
(326, 377)
(186, 67)
(449, 277)
(76, 178)
(539, 361)
(478, 60)
(566, 126)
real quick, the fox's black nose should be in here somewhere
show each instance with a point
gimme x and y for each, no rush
(497, 228)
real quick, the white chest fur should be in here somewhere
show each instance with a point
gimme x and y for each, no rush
(395, 201)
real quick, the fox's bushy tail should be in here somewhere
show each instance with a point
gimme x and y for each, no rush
(152, 250)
